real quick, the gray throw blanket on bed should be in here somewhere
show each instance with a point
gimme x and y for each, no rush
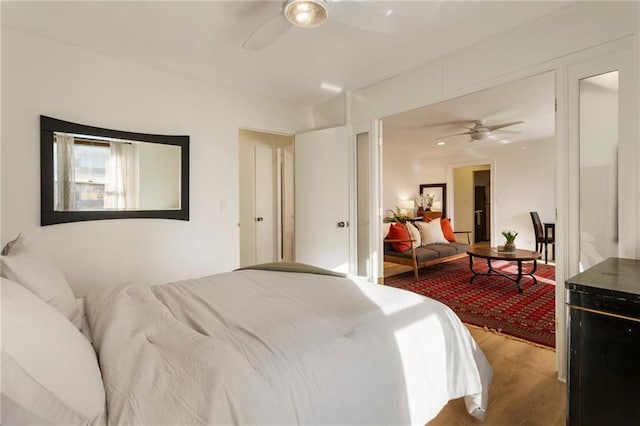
(293, 267)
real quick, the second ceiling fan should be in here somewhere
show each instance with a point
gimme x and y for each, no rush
(479, 131)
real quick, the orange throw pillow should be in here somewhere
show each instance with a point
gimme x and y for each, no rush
(399, 232)
(447, 230)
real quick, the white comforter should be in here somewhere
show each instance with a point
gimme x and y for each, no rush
(264, 347)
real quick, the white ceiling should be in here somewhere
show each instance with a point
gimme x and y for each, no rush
(531, 100)
(203, 39)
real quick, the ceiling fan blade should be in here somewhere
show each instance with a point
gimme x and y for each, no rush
(500, 126)
(457, 134)
(269, 32)
(366, 16)
(457, 123)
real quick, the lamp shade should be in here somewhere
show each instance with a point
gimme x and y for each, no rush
(406, 204)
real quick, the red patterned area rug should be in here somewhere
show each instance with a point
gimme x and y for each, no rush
(491, 301)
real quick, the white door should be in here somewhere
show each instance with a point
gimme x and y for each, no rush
(322, 198)
(264, 202)
(286, 202)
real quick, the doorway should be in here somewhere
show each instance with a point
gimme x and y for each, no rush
(472, 200)
(482, 205)
(493, 149)
(266, 197)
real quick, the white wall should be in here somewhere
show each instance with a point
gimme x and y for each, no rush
(40, 76)
(331, 113)
(525, 180)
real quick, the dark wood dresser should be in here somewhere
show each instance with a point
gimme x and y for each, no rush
(603, 385)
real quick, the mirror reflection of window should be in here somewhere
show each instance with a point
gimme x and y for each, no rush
(598, 168)
(95, 173)
(90, 175)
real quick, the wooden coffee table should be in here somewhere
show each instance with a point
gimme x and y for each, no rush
(492, 253)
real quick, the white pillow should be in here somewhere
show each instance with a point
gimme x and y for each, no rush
(386, 226)
(431, 232)
(415, 235)
(50, 372)
(38, 274)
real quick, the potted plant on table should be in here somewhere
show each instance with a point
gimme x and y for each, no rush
(510, 235)
(396, 216)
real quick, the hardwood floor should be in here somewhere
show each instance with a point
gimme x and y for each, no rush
(395, 269)
(524, 392)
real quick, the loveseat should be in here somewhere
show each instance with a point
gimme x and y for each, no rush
(428, 254)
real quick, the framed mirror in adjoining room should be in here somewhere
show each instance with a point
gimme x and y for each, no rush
(93, 173)
(438, 193)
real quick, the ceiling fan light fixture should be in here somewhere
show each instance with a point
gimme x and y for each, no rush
(480, 134)
(306, 13)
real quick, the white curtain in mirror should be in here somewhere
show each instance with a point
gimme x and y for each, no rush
(65, 190)
(120, 191)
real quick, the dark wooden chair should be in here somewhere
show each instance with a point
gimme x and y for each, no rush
(543, 241)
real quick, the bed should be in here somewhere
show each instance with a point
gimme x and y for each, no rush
(294, 345)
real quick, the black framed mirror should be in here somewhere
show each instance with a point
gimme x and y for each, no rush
(92, 173)
(439, 192)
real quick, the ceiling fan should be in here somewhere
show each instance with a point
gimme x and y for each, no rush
(313, 13)
(479, 131)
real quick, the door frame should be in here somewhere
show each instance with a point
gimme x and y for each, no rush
(487, 202)
(492, 193)
(375, 271)
(242, 167)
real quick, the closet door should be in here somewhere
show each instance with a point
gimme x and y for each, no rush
(258, 190)
(322, 199)
(264, 220)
